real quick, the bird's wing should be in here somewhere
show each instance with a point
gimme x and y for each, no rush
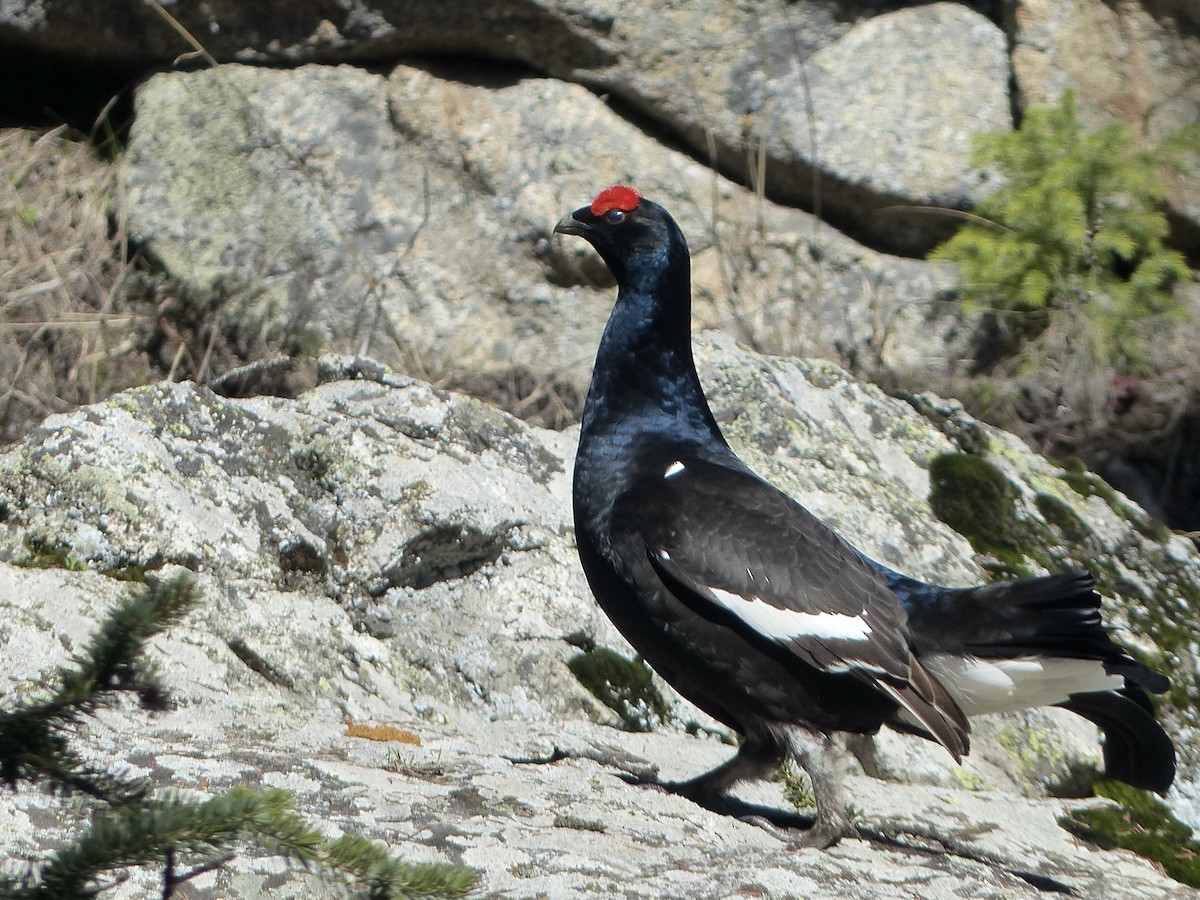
(741, 553)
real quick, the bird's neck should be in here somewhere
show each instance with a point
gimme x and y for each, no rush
(645, 378)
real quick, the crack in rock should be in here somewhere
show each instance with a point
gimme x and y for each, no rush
(448, 552)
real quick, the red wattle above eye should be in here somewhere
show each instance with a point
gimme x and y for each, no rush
(620, 197)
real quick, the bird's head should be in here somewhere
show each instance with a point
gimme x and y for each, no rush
(634, 236)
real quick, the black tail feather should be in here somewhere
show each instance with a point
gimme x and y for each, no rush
(1140, 677)
(1048, 617)
(1054, 615)
(1136, 749)
(1058, 615)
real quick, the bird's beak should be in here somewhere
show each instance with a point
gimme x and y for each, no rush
(570, 224)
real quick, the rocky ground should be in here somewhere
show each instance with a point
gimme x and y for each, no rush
(379, 180)
(381, 552)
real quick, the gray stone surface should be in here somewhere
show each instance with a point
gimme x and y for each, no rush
(410, 217)
(400, 555)
(886, 115)
(801, 77)
(863, 111)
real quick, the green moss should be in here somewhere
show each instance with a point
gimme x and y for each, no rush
(1077, 781)
(977, 500)
(1141, 823)
(1073, 529)
(46, 555)
(1154, 529)
(1076, 474)
(43, 553)
(626, 686)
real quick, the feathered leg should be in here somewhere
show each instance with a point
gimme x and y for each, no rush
(816, 754)
(759, 756)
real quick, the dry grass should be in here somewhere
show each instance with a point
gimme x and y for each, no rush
(546, 400)
(69, 332)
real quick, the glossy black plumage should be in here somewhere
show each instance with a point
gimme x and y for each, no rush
(765, 618)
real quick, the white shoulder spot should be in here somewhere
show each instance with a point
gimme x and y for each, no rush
(673, 469)
(789, 624)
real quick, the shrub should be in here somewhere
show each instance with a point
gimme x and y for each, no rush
(1076, 226)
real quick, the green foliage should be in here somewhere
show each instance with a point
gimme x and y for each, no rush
(797, 786)
(1077, 224)
(33, 741)
(158, 832)
(389, 879)
(168, 830)
(1141, 823)
(173, 827)
(625, 686)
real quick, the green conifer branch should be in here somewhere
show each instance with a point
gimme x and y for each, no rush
(1081, 228)
(389, 879)
(185, 837)
(173, 830)
(33, 740)
(161, 832)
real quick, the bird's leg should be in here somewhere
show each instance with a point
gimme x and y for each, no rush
(815, 753)
(865, 751)
(760, 756)
(757, 757)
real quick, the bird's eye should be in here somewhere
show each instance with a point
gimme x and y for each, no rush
(614, 216)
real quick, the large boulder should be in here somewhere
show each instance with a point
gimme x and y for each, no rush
(860, 116)
(862, 112)
(409, 216)
(378, 551)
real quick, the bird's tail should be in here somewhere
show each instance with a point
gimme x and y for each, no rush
(1052, 616)
(1041, 642)
(1136, 749)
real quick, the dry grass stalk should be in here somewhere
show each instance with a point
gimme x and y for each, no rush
(67, 334)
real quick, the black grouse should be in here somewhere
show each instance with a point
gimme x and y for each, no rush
(764, 617)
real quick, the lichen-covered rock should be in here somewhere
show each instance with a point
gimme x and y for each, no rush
(385, 501)
(379, 551)
(410, 217)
